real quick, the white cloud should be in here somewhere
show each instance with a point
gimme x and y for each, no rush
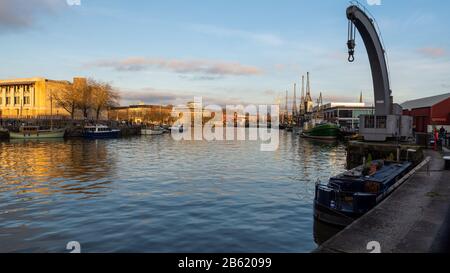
(150, 95)
(22, 13)
(374, 2)
(197, 66)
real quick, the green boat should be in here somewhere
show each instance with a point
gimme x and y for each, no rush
(323, 131)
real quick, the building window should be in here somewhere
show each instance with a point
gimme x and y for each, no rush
(381, 122)
(369, 122)
(345, 114)
(26, 96)
(1, 99)
(8, 101)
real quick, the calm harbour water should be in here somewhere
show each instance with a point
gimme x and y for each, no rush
(154, 194)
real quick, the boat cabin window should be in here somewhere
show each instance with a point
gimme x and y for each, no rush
(29, 129)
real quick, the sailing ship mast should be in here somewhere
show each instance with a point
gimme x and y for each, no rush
(294, 105)
(286, 111)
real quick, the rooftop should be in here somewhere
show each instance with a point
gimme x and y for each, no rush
(424, 102)
(30, 81)
(22, 80)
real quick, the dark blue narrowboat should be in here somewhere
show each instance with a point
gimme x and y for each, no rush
(100, 132)
(350, 195)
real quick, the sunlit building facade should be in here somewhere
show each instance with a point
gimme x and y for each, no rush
(31, 98)
(346, 114)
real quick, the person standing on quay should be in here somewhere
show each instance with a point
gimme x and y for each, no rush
(443, 135)
(436, 138)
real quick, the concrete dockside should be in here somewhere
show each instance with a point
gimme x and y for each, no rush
(357, 151)
(415, 218)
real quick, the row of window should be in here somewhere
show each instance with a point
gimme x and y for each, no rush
(17, 88)
(379, 122)
(16, 100)
(347, 113)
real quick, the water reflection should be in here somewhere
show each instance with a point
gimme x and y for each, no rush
(55, 166)
(154, 194)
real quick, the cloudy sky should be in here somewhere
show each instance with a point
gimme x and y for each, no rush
(226, 51)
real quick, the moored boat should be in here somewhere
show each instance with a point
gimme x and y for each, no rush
(100, 131)
(154, 130)
(350, 195)
(34, 132)
(4, 133)
(177, 129)
(323, 132)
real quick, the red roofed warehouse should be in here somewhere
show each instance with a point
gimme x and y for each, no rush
(428, 112)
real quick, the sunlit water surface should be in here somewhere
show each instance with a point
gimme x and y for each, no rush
(154, 194)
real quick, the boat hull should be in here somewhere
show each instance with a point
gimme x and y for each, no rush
(305, 135)
(323, 132)
(332, 217)
(38, 135)
(102, 135)
(149, 132)
(4, 134)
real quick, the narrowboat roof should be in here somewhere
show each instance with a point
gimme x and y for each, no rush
(383, 175)
(96, 126)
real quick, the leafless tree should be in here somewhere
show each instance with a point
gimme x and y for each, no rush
(64, 96)
(103, 96)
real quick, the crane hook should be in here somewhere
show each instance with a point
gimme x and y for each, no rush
(351, 50)
(351, 57)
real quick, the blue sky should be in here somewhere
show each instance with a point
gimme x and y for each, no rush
(226, 51)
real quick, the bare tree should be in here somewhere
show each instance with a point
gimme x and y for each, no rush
(84, 96)
(65, 97)
(103, 96)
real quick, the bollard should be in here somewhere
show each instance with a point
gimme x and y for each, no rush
(447, 163)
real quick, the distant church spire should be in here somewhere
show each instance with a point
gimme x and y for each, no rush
(320, 100)
(361, 97)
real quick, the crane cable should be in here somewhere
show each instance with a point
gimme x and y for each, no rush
(351, 44)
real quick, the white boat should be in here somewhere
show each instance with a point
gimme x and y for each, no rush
(177, 129)
(152, 131)
(34, 132)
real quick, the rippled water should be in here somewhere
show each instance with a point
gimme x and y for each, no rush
(154, 194)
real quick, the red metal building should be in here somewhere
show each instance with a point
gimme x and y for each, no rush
(434, 111)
